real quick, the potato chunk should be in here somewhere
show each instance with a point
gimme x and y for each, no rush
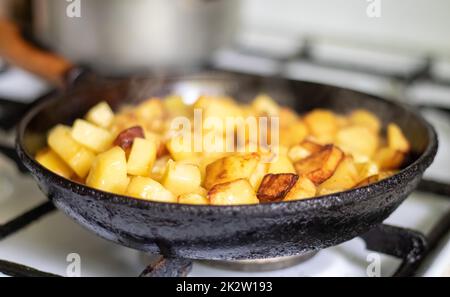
(303, 150)
(374, 178)
(362, 117)
(180, 178)
(281, 164)
(258, 174)
(387, 158)
(50, 160)
(322, 124)
(100, 115)
(303, 188)
(148, 189)
(74, 154)
(396, 140)
(142, 157)
(321, 165)
(109, 172)
(344, 178)
(230, 168)
(357, 140)
(235, 192)
(198, 196)
(274, 187)
(94, 138)
(293, 134)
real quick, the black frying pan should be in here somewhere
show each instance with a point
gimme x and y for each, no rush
(225, 232)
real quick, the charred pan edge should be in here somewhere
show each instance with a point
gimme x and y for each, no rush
(291, 207)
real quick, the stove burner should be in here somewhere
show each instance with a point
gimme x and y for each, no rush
(261, 265)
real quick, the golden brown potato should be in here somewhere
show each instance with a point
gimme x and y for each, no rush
(362, 117)
(258, 174)
(50, 160)
(321, 165)
(230, 168)
(193, 198)
(303, 150)
(322, 124)
(149, 189)
(281, 164)
(235, 192)
(293, 134)
(303, 188)
(374, 178)
(344, 178)
(274, 187)
(396, 140)
(387, 158)
(357, 140)
(366, 169)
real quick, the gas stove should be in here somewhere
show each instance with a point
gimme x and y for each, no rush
(36, 239)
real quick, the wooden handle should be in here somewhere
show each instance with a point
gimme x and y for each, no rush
(15, 50)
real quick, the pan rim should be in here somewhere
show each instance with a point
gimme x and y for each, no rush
(322, 202)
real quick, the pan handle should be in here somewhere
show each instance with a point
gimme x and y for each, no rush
(16, 50)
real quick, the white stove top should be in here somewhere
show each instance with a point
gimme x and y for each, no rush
(45, 244)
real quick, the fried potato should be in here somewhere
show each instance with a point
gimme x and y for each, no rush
(75, 155)
(362, 117)
(281, 164)
(366, 169)
(357, 140)
(50, 160)
(396, 139)
(344, 178)
(109, 171)
(293, 134)
(265, 105)
(274, 187)
(180, 178)
(374, 178)
(141, 157)
(322, 124)
(100, 115)
(148, 189)
(387, 158)
(321, 165)
(258, 174)
(230, 168)
(197, 197)
(302, 189)
(303, 150)
(235, 192)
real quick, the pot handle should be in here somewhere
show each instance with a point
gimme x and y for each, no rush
(16, 50)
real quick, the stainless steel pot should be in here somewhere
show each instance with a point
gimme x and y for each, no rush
(122, 36)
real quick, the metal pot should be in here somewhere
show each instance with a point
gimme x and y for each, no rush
(119, 36)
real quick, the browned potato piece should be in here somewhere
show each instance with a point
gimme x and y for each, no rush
(281, 164)
(230, 168)
(387, 158)
(303, 150)
(357, 140)
(311, 146)
(344, 178)
(321, 165)
(362, 117)
(303, 188)
(293, 134)
(235, 192)
(374, 178)
(274, 187)
(322, 123)
(396, 140)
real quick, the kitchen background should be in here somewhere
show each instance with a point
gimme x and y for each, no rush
(404, 54)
